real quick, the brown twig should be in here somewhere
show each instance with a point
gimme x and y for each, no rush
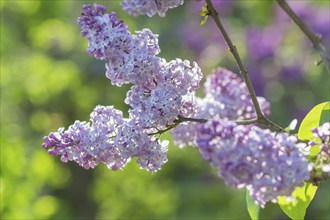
(179, 121)
(261, 119)
(315, 39)
(247, 122)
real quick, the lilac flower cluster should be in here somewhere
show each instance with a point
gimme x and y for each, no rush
(267, 164)
(160, 89)
(130, 58)
(161, 92)
(322, 141)
(168, 96)
(109, 139)
(226, 97)
(228, 88)
(148, 7)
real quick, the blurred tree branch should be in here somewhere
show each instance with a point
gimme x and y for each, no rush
(261, 118)
(314, 38)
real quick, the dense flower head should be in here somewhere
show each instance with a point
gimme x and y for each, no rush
(140, 64)
(88, 144)
(109, 139)
(182, 74)
(153, 155)
(133, 141)
(161, 90)
(150, 8)
(229, 89)
(170, 94)
(266, 163)
(107, 36)
(226, 97)
(131, 58)
(159, 107)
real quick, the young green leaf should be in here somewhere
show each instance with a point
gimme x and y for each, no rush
(203, 22)
(316, 117)
(204, 13)
(296, 209)
(252, 207)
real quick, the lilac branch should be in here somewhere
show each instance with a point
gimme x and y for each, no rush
(179, 121)
(184, 119)
(247, 122)
(261, 119)
(314, 38)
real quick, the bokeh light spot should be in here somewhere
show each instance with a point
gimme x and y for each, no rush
(274, 91)
(45, 206)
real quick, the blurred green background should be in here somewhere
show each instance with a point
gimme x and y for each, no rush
(48, 81)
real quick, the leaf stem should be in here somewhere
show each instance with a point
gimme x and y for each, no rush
(314, 38)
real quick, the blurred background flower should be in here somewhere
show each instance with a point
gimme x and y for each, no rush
(48, 81)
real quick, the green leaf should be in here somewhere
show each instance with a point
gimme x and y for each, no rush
(316, 117)
(314, 151)
(325, 115)
(296, 210)
(204, 20)
(252, 207)
(204, 13)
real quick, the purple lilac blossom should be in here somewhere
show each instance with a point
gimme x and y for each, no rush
(229, 89)
(226, 97)
(157, 105)
(267, 164)
(140, 64)
(159, 88)
(148, 7)
(107, 36)
(109, 139)
(161, 92)
(133, 141)
(322, 141)
(130, 58)
(89, 144)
